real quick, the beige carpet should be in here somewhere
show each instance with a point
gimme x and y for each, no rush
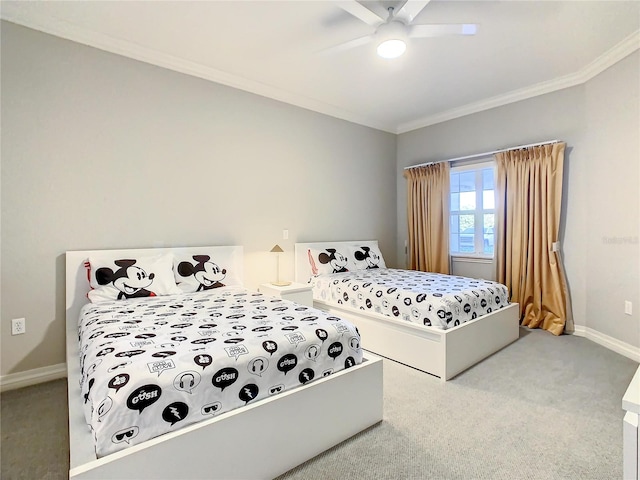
(35, 435)
(543, 408)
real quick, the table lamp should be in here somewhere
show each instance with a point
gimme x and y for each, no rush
(277, 250)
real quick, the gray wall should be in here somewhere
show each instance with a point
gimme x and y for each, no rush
(100, 151)
(612, 200)
(599, 228)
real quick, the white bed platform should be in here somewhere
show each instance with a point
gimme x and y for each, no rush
(236, 445)
(443, 353)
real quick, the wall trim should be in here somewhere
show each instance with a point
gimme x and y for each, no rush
(63, 29)
(27, 378)
(124, 48)
(611, 57)
(611, 343)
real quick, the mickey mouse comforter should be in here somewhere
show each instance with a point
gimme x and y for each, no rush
(151, 366)
(431, 299)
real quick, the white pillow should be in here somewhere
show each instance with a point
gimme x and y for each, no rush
(328, 260)
(204, 270)
(365, 257)
(120, 277)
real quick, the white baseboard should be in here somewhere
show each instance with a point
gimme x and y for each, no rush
(32, 377)
(611, 343)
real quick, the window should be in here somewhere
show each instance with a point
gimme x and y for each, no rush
(472, 210)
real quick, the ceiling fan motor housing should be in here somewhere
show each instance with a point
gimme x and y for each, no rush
(392, 30)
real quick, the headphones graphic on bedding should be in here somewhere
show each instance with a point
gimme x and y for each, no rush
(261, 364)
(312, 352)
(192, 379)
(255, 367)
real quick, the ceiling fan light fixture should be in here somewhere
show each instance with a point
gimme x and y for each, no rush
(391, 48)
(392, 39)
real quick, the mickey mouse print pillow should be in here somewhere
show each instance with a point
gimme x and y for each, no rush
(206, 270)
(115, 278)
(328, 260)
(366, 257)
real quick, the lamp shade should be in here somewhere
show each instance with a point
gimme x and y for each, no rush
(276, 249)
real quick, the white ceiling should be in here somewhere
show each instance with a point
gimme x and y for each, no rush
(522, 49)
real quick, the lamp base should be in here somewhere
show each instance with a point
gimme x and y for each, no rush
(280, 284)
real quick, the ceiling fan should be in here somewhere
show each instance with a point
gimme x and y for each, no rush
(391, 34)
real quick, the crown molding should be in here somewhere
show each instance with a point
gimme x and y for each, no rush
(110, 44)
(599, 65)
(69, 31)
(623, 49)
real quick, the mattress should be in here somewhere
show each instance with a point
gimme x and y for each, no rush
(154, 365)
(430, 299)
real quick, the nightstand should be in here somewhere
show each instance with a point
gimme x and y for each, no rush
(296, 292)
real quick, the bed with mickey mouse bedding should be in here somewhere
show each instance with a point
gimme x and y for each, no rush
(177, 371)
(440, 324)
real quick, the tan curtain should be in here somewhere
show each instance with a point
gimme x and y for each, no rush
(428, 217)
(529, 186)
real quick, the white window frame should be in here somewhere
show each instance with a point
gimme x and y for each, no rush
(478, 213)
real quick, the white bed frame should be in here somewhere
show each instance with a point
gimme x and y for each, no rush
(240, 444)
(443, 353)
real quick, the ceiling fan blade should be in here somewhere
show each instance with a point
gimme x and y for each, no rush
(347, 45)
(360, 11)
(423, 31)
(411, 9)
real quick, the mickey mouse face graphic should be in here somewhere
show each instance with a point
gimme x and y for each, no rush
(129, 279)
(365, 254)
(337, 261)
(207, 273)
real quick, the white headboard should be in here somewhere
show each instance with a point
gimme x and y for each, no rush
(303, 268)
(77, 285)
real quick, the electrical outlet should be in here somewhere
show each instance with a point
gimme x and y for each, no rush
(18, 326)
(628, 307)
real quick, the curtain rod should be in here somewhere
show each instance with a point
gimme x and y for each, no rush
(485, 154)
